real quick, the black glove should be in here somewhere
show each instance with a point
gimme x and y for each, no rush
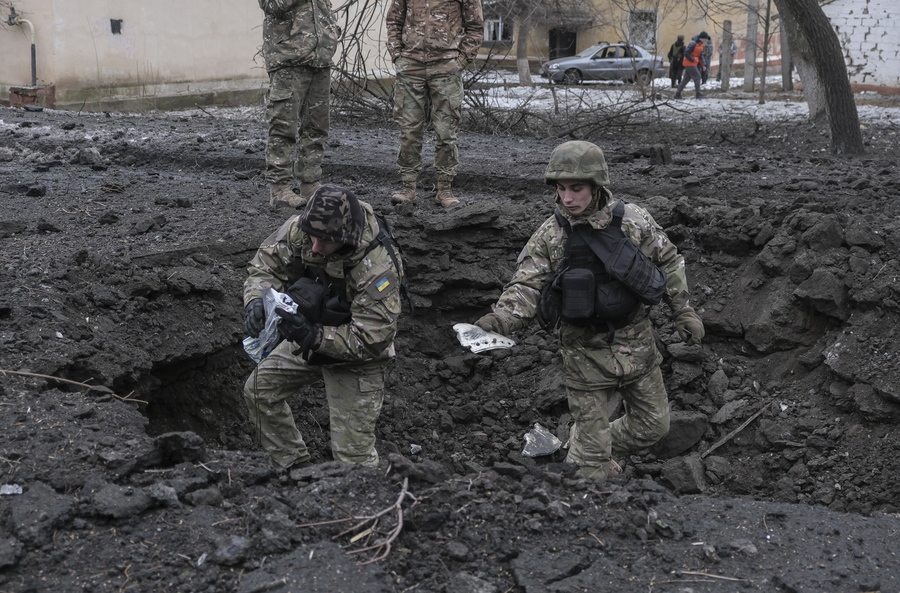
(310, 298)
(297, 329)
(254, 317)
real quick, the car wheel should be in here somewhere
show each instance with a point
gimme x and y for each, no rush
(572, 76)
(645, 77)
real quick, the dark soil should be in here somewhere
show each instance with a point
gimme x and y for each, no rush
(123, 247)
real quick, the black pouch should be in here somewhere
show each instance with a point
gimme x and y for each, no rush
(615, 302)
(635, 270)
(336, 312)
(578, 294)
(309, 296)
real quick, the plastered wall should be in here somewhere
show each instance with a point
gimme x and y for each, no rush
(100, 52)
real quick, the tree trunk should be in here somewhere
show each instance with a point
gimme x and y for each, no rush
(750, 55)
(726, 58)
(787, 62)
(765, 54)
(815, 44)
(522, 52)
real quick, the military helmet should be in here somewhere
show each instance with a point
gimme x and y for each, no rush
(577, 160)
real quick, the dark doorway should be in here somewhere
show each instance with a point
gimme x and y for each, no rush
(562, 43)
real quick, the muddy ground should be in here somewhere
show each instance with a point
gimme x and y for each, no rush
(123, 246)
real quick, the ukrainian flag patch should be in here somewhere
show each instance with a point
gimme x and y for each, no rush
(385, 284)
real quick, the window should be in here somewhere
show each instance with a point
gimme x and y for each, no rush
(642, 28)
(497, 30)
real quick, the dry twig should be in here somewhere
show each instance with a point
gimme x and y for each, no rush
(734, 432)
(367, 526)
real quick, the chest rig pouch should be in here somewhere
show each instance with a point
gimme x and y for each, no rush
(604, 278)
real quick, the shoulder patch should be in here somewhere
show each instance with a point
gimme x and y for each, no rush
(383, 285)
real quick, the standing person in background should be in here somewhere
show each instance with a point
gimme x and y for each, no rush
(299, 41)
(706, 57)
(693, 62)
(676, 55)
(567, 277)
(431, 42)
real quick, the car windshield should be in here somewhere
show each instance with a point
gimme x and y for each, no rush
(589, 51)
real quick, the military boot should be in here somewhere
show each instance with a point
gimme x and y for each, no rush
(444, 196)
(407, 194)
(282, 196)
(307, 190)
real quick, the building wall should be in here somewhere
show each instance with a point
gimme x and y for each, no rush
(108, 53)
(869, 32)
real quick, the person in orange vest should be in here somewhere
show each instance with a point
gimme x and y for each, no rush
(693, 64)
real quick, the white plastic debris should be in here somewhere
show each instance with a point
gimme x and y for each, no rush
(10, 489)
(259, 348)
(540, 441)
(415, 449)
(477, 340)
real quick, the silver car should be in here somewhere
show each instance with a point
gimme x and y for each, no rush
(606, 61)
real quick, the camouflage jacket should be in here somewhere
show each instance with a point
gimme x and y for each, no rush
(298, 33)
(430, 30)
(546, 249)
(372, 288)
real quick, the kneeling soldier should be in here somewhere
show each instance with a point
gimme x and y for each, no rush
(347, 288)
(592, 270)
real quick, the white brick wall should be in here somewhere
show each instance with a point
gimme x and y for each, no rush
(869, 32)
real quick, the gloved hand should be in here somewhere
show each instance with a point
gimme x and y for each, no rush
(254, 317)
(689, 326)
(298, 330)
(494, 323)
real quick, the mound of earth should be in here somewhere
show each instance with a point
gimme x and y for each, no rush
(128, 463)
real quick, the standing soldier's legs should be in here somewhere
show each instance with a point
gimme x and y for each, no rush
(410, 104)
(446, 90)
(646, 418)
(277, 377)
(355, 396)
(282, 109)
(315, 121)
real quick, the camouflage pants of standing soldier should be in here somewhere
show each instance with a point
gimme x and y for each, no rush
(593, 370)
(354, 393)
(418, 84)
(297, 101)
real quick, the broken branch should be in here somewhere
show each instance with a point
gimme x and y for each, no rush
(734, 432)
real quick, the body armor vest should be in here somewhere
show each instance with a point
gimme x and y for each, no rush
(602, 281)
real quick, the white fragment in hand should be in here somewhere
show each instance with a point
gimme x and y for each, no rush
(477, 340)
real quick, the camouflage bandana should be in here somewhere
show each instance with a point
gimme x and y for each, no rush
(334, 214)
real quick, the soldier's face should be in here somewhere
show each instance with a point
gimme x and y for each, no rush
(575, 196)
(323, 247)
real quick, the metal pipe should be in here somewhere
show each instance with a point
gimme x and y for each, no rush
(16, 20)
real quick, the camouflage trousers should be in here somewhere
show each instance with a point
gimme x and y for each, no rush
(297, 102)
(593, 370)
(422, 86)
(354, 393)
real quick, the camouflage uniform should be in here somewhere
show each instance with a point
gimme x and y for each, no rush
(595, 366)
(299, 40)
(356, 353)
(431, 42)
